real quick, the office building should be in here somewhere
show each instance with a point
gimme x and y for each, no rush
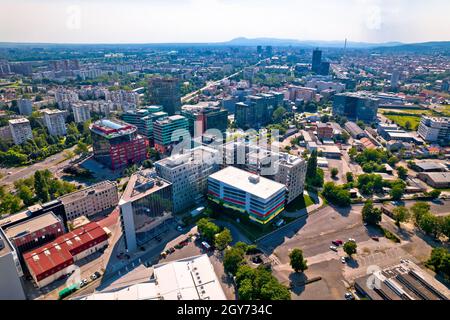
(145, 209)
(143, 119)
(55, 121)
(91, 200)
(169, 131)
(165, 92)
(81, 112)
(203, 117)
(190, 278)
(395, 77)
(256, 110)
(356, 106)
(56, 259)
(11, 272)
(188, 173)
(316, 61)
(25, 107)
(117, 144)
(258, 197)
(20, 130)
(34, 232)
(434, 129)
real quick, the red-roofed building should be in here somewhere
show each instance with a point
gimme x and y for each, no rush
(55, 259)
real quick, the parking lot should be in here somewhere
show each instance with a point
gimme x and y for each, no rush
(314, 235)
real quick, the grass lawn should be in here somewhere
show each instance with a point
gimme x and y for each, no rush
(409, 111)
(401, 120)
(299, 203)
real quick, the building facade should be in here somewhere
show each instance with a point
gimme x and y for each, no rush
(81, 112)
(25, 107)
(56, 259)
(356, 106)
(169, 131)
(20, 130)
(259, 198)
(55, 121)
(165, 92)
(434, 129)
(35, 232)
(10, 283)
(91, 200)
(117, 144)
(145, 209)
(188, 173)
(291, 173)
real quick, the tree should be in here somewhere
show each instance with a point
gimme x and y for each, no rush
(401, 214)
(147, 164)
(349, 177)
(397, 192)
(207, 229)
(223, 239)
(311, 169)
(419, 209)
(26, 194)
(232, 259)
(350, 248)
(370, 214)
(334, 172)
(446, 226)
(296, 260)
(278, 114)
(9, 204)
(336, 194)
(41, 186)
(402, 173)
(430, 224)
(434, 194)
(81, 148)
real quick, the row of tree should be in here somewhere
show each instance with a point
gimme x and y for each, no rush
(41, 187)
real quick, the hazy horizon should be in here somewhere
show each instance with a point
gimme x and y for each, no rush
(211, 21)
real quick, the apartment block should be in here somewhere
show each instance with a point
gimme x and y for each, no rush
(81, 112)
(55, 121)
(20, 130)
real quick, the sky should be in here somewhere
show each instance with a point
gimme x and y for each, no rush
(169, 21)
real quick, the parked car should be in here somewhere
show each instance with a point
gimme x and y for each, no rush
(349, 296)
(343, 260)
(351, 240)
(97, 274)
(172, 250)
(376, 238)
(93, 277)
(333, 248)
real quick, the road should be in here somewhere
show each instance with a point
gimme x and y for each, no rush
(213, 83)
(53, 163)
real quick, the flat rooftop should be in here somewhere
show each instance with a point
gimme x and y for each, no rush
(240, 179)
(142, 184)
(19, 121)
(192, 278)
(32, 225)
(76, 195)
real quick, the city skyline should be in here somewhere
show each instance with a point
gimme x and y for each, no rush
(201, 21)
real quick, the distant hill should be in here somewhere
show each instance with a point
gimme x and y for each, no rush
(242, 41)
(435, 46)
